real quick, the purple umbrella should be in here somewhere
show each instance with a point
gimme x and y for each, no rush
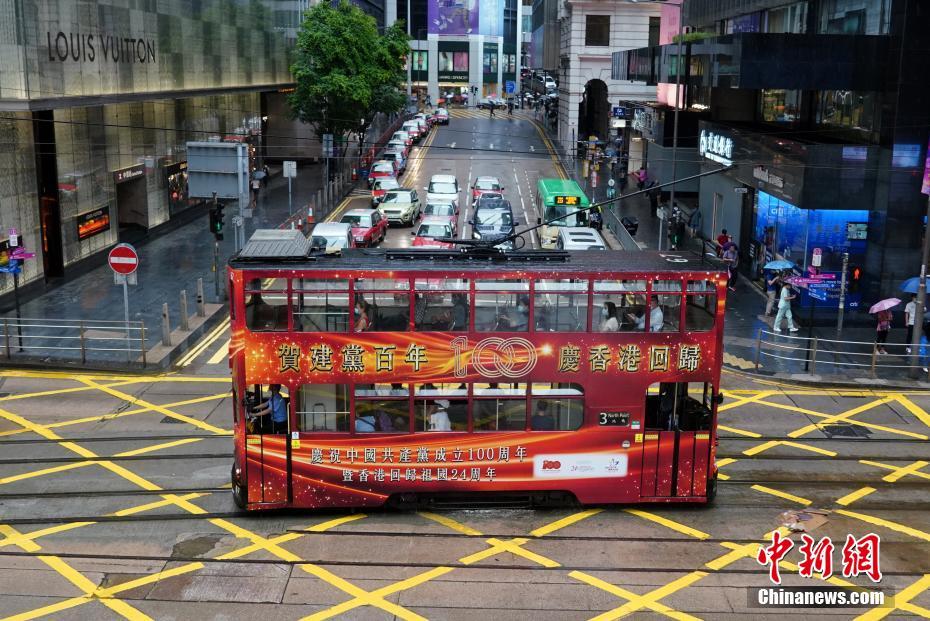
(884, 305)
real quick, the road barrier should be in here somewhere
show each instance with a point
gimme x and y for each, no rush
(97, 341)
(810, 353)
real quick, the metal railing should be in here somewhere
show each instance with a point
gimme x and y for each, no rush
(72, 340)
(807, 354)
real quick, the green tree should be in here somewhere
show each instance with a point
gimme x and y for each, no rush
(346, 72)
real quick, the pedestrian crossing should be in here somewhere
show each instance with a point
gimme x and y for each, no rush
(473, 113)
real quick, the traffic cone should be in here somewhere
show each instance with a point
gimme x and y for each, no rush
(354, 174)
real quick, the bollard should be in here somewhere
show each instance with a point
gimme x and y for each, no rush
(165, 326)
(814, 356)
(184, 321)
(758, 348)
(6, 336)
(83, 344)
(142, 340)
(201, 309)
(319, 202)
(874, 356)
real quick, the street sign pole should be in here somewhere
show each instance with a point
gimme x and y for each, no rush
(290, 208)
(19, 323)
(126, 319)
(216, 270)
(921, 300)
(124, 261)
(842, 303)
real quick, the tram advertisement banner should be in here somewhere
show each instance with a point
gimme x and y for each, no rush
(397, 357)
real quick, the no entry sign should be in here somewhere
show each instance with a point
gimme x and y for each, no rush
(123, 259)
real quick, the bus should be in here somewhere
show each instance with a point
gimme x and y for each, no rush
(416, 376)
(555, 199)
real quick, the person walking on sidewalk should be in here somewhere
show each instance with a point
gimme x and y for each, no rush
(772, 282)
(784, 309)
(910, 313)
(731, 258)
(881, 330)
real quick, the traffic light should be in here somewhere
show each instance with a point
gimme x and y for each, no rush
(855, 272)
(216, 221)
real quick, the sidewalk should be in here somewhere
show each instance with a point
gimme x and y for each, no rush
(746, 308)
(171, 262)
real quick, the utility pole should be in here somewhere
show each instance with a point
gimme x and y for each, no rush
(679, 65)
(921, 300)
(409, 60)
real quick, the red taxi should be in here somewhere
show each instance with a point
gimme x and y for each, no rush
(485, 184)
(381, 186)
(431, 229)
(369, 227)
(380, 170)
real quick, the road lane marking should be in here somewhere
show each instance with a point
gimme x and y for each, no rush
(740, 432)
(781, 494)
(907, 469)
(672, 524)
(852, 497)
(877, 521)
(637, 602)
(187, 358)
(550, 528)
(221, 354)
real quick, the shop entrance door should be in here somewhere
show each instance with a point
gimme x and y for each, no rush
(132, 209)
(49, 190)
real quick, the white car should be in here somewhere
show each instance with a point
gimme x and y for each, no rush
(332, 236)
(579, 238)
(443, 188)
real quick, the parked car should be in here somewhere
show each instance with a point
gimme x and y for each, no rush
(403, 135)
(443, 187)
(431, 230)
(368, 226)
(442, 210)
(401, 146)
(401, 206)
(485, 184)
(332, 236)
(412, 128)
(380, 169)
(400, 162)
(442, 116)
(426, 118)
(381, 186)
(579, 238)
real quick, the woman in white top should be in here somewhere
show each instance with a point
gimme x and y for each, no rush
(609, 321)
(439, 417)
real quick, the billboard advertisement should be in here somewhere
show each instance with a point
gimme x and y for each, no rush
(453, 17)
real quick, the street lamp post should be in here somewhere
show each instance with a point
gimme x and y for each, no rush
(409, 60)
(678, 69)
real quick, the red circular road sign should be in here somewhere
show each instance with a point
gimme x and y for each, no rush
(123, 259)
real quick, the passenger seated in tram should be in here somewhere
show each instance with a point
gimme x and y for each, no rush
(363, 315)
(516, 320)
(656, 317)
(439, 416)
(542, 420)
(609, 320)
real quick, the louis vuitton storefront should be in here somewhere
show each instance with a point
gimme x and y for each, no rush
(98, 100)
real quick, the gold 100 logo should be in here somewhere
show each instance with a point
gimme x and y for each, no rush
(494, 357)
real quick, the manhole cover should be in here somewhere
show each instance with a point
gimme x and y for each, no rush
(846, 430)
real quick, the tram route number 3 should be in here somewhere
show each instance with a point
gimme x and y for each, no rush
(614, 419)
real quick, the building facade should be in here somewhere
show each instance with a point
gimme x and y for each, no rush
(589, 31)
(465, 51)
(97, 102)
(816, 107)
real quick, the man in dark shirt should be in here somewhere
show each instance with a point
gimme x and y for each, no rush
(541, 420)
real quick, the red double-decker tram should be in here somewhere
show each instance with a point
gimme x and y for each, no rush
(406, 376)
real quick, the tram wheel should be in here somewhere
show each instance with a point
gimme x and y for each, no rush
(712, 489)
(239, 492)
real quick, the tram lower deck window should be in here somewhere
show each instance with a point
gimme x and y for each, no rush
(323, 407)
(682, 406)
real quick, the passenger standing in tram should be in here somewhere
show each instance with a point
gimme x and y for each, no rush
(609, 320)
(276, 405)
(439, 416)
(362, 315)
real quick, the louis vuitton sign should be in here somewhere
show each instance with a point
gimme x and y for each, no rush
(99, 47)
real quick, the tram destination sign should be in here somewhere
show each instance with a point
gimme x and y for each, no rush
(613, 419)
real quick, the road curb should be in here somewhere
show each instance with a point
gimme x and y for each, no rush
(820, 381)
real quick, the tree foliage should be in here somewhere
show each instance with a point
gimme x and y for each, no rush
(345, 70)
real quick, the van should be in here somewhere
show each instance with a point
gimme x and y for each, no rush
(579, 238)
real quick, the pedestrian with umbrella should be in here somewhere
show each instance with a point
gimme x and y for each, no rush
(773, 281)
(784, 308)
(883, 316)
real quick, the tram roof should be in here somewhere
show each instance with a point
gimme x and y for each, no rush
(295, 256)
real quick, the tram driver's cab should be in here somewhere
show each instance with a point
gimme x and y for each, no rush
(675, 407)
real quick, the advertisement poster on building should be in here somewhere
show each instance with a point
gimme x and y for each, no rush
(453, 17)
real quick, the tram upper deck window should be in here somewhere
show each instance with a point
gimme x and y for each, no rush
(561, 305)
(266, 305)
(441, 304)
(320, 305)
(628, 298)
(701, 306)
(667, 298)
(386, 304)
(502, 305)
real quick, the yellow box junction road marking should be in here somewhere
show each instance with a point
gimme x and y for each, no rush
(638, 602)
(726, 461)
(902, 601)
(158, 408)
(852, 497)
(898, 471)
(781, 494)
(755, 450)
(676, 526)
